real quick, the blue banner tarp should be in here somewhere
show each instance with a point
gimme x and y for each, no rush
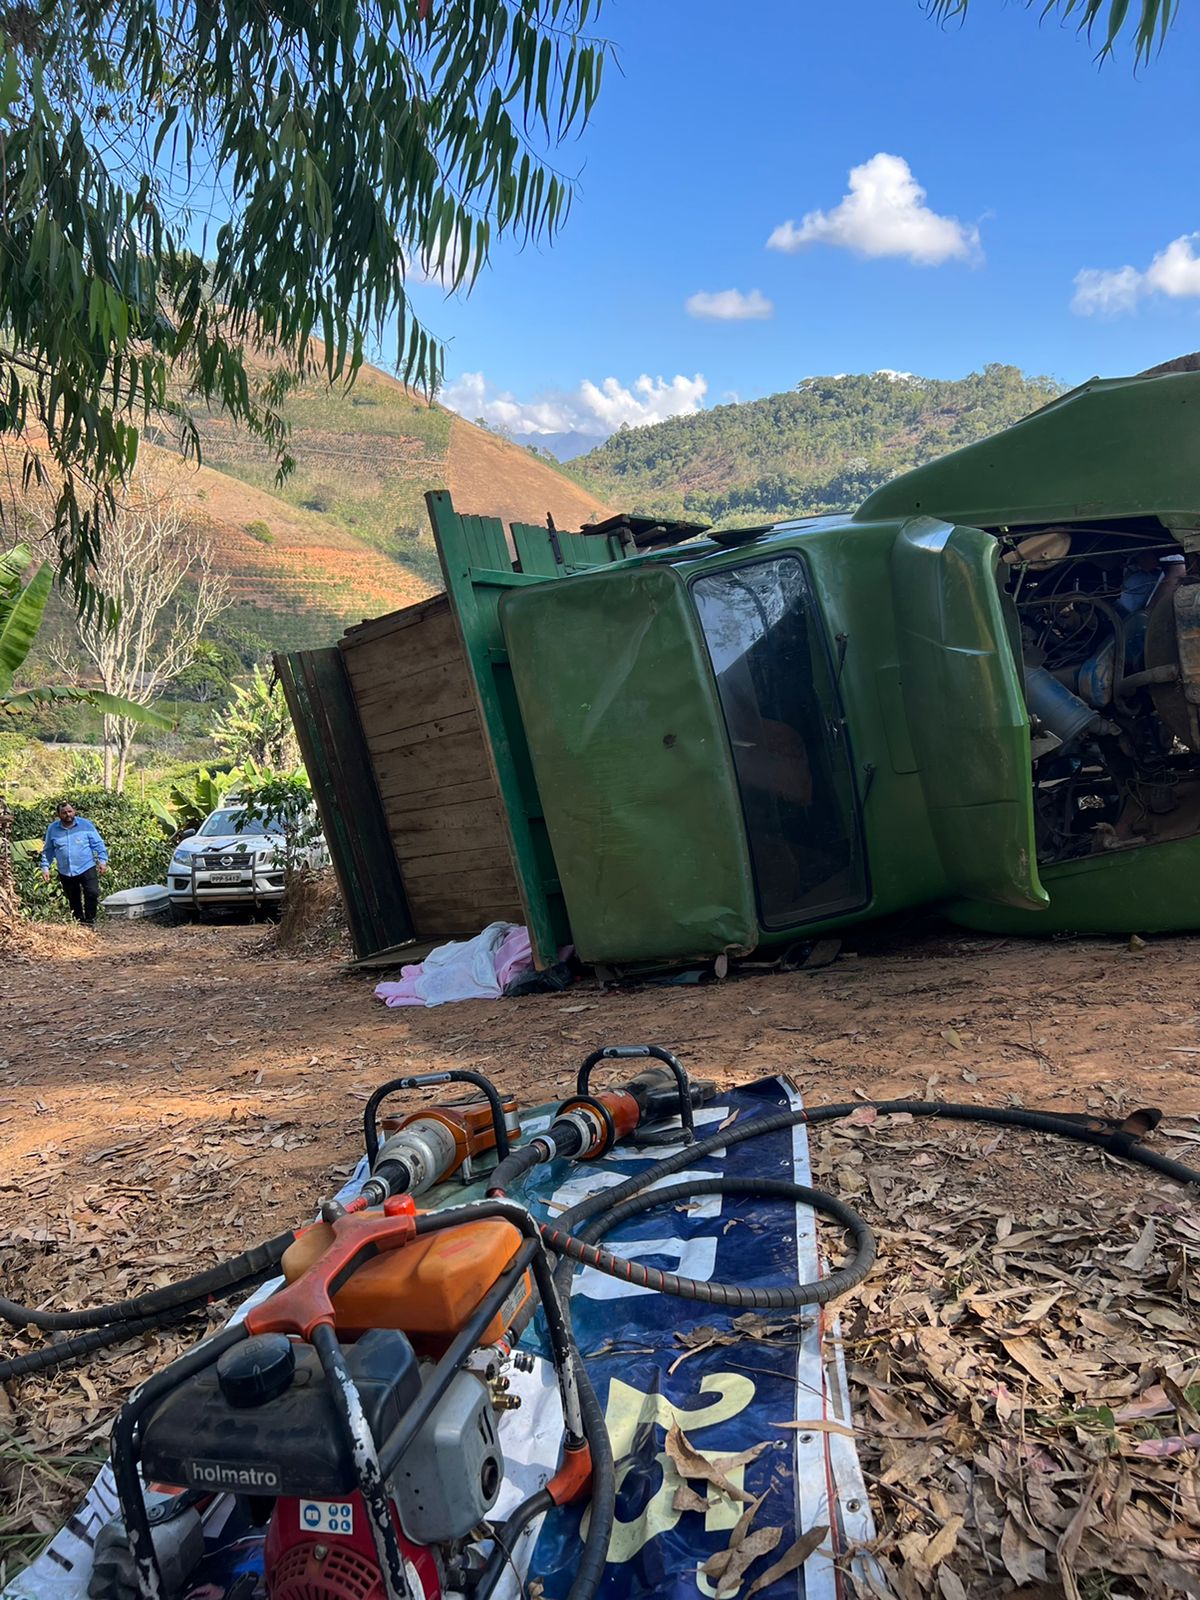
(672, 1376)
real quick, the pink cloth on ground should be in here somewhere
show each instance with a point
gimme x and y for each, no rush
(470, 969)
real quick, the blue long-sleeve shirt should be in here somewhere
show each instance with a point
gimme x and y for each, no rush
(74, 849)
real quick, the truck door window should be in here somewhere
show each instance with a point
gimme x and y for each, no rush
(766, 640)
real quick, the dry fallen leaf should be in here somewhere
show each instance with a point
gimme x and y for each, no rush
(795, 1557)
(821, 1425)
(943, 1542)
(686, 1499)
(950, 1585)
(716, 1564)
(727, 1567)
(689, 1463)
(1024, 1561)
(1139, 1255)
(760, 1543)
(1167, 1447)
(1029, 1354)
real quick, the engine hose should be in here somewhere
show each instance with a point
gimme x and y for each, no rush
(579, 1248)
(505, 1173)
(505, 1542)
(1083, 1130)
(213, 1284)
(64, 1351)
(589, 1570)
(1114, 1140)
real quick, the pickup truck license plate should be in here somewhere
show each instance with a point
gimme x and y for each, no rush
(225, 877)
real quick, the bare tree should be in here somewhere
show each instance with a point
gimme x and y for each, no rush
(157, 567)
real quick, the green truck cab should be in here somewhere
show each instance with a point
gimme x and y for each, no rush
(980, 692)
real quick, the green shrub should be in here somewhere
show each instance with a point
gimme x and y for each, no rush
(86, 769)
(261, 531)
(136, 852)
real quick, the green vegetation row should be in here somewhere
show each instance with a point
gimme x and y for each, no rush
(823, 446)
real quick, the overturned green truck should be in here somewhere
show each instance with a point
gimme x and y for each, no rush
(980, 692)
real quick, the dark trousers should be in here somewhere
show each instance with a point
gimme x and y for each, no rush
(82, 890)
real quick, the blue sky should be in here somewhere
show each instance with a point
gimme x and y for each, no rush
(728, 121)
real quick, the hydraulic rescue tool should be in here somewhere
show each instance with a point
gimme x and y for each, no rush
(429, 1146)
(354, 1412)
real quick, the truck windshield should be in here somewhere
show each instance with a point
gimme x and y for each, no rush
(225, 822)
(767, 644)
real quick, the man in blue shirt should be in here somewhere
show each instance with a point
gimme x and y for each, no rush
(74, 846)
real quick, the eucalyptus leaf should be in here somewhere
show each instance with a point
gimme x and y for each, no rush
(342, 140)
(1151, 19)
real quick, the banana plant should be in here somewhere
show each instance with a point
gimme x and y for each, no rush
(188, 807)
(22, 608)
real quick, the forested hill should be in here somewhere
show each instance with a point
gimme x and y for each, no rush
(823, 446)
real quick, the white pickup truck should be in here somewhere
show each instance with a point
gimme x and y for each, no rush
(233, 860)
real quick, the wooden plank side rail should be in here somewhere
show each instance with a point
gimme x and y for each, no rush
(437, 789)
(321, 701)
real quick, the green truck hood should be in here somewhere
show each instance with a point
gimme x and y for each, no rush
(632, 764)
(966, 711)
(1114, 447)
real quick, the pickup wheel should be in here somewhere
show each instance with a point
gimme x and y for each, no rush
(180, 914)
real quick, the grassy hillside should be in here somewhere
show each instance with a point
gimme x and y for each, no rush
(823, 446)
(350, 521)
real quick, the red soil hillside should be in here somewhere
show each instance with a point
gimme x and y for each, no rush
(489, 477)
(347, 534)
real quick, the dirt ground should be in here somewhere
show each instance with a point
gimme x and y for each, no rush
(168, 1096)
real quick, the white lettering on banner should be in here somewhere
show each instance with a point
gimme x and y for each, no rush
(629, 1412)
(576, 1189)
(692, 1258)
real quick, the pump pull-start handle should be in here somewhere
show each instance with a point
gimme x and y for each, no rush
(633, 1052)
(306, 1304)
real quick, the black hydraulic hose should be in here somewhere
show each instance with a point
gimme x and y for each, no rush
(590, 1568)
(64, 1351)
(579, 1248)
(421, 1080)
(505, 1542)
(212, 1284)
(1085, 1130)
(515, 1166)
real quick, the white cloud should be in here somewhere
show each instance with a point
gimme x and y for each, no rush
(1175, 271)
(884, 214)
(729, 305)
(593, 409)
(1108, 292)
